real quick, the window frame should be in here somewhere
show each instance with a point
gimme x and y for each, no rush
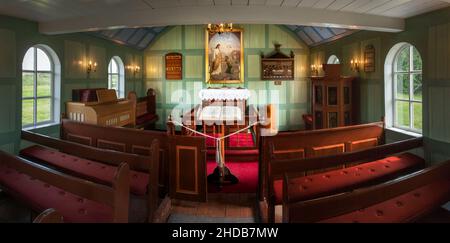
(333, 59)
(411, 101)
(35, 97)
(120, 76)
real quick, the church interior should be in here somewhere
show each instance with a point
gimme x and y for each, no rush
(225, 111)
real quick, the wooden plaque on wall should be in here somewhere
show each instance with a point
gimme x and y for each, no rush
(369, 59)
(174, 66)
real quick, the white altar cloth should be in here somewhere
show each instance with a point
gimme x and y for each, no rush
(224, 94)
(220, 113)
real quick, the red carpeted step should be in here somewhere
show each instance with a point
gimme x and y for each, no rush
(237, 140)
(247, 173)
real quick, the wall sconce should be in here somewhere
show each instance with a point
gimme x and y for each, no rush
(315, 69)
(91, 67)
(135, 69)
(354, 65)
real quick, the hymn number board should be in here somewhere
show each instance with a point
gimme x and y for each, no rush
(174, 66)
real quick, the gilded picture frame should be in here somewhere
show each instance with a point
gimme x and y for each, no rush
(224, 57)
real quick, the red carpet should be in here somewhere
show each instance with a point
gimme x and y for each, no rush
(238, 140)
(246, 172)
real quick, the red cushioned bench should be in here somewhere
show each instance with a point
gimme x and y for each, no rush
(374, 165)
(98, 165)
(49, 216)
(406, 199)
(76, 200)
(303, 145)
(85, 168)
(323, 184)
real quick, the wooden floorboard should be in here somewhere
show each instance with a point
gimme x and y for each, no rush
(222, 207)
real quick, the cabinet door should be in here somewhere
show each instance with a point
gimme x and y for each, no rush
(347, 98)
(332, 95)
(333, 120)
(318, 120)
(318, 94)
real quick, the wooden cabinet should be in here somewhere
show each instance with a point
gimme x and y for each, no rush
(332, 98)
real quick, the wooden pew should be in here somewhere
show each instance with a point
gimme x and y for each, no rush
(123, 140)
(49, 216)
(412, 197)
(41, 188)
(144, 109)
(191, 151)
(310, 144)
(299, 167)
(140, 166)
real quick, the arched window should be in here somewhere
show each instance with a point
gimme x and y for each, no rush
(405, 89)
(333, 60)
(40, 87)
(116, 77)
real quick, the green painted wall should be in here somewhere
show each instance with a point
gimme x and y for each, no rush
(190, 41)
(430, 34)
(17, 35)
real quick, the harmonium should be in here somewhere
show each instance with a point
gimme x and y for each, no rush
(104, 109)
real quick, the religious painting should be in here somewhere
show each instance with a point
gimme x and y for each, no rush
(224, 57)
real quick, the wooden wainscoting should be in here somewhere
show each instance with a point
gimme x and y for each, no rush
(187, 168)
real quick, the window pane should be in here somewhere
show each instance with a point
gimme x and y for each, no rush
(418, 116)
(27, 84)
(114, 82)
(402, 116)
(417, 60)
(43, 110)
(27, 112)
(417, 88)
(403, 60)
(43, 61)
(113, 66)
(28, 60)
(44, 87)
(402, 86)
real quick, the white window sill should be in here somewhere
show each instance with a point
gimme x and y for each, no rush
(41, 126)
(408, 133)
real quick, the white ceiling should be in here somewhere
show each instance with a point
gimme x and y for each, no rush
(63, 16)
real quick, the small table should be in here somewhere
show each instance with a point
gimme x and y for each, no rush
(219, 116)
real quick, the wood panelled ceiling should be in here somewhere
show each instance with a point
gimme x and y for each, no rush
(137, 22)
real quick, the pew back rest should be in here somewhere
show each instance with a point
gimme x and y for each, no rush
(120, 139)
(308, 144)
(116, 196)
(311, 144)
(325, 208)
(143, 105)
(140, 104)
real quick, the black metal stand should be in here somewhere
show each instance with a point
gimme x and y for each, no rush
(221, 179)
